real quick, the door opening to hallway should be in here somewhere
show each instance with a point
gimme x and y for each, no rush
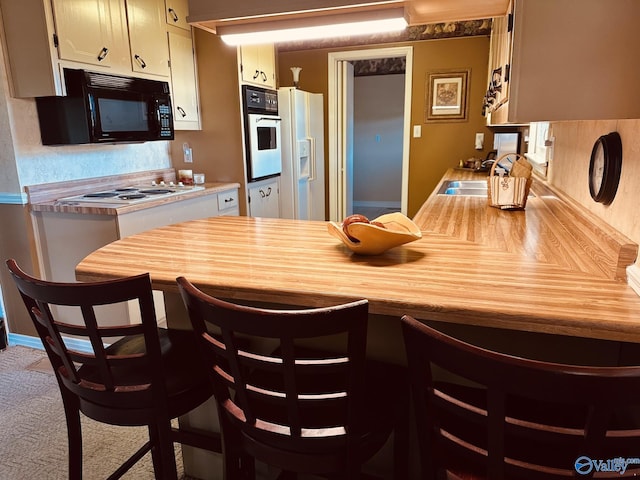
(369, 117)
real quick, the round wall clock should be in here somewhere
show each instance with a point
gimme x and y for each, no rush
(605, 168)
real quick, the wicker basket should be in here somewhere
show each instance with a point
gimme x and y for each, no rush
(510, 191)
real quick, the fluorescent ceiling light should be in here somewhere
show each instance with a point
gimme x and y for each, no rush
(314, 28)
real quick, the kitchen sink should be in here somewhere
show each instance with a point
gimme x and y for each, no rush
(468, 188)
(465, 188)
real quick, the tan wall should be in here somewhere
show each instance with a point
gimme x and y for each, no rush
(569, 170)
(442, 145)
(15, 242)
(218, 147)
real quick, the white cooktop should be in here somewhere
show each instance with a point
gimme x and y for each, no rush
(131, 194)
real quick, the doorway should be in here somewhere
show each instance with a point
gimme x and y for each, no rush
(341, 128)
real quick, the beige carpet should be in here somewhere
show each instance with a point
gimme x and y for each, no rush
(33, 438)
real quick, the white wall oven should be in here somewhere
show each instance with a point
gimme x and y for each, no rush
(262, 133)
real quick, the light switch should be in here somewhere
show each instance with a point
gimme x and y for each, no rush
(479, 141)
(417, 131)
(188, 153)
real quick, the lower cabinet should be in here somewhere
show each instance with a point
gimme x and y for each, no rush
(64, 239)
(264, 198)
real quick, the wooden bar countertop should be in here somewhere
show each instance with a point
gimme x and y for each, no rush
(445, 276)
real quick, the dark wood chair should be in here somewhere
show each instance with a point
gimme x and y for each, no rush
(298, 394)
(149, 376)
(505, 417)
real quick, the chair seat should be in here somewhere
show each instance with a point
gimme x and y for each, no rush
(185, 377)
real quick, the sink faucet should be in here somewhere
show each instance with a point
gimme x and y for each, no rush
(488, 163)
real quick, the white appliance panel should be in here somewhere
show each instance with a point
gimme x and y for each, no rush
(265, 146)
(302, 190)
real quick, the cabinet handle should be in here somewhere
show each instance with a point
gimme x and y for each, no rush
(227, 200)
(181, 111)
(103, 54)
(174, 15)
(262, 194)
(264, 76)
(257, 74)
(268, 191)
(140, 61)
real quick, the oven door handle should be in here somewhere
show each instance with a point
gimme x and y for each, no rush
(275, 119)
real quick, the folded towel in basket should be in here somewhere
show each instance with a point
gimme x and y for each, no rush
(508, 192)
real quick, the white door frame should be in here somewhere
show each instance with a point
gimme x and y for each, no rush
(336, 159)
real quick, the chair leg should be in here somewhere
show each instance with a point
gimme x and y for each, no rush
(74, 434)
(401, 437)
(237, 464)
(162, 451)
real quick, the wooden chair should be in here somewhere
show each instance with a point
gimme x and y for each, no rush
(285, 402)
(148, 377)
(518, 418)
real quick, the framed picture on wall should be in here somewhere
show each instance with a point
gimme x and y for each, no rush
(447, 96)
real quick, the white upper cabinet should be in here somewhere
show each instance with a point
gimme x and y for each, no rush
(177, 11)
(116, 36)
(570, 60)
(258, 65)
(184, 85)
(91, 33)
(148, 36)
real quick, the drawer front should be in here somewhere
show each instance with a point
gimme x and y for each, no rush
(227, 200)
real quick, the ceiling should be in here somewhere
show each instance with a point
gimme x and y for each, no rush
(210, 14)
(436, 11)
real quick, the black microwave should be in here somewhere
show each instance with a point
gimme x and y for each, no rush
(105, 108)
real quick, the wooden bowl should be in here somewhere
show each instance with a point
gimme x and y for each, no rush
(374, 240)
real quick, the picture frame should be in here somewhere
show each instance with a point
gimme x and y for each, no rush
(447, 94)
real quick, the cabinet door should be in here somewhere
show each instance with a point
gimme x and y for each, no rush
(184, 85)
(85, 30)
(177, 11)
(228, 202)
(148, 37)
(258, 65)
(499, 63)
(264, 199)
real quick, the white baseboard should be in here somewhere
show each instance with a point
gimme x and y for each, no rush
(35, 342)
(633, 277)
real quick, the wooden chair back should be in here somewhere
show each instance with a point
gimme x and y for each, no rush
(505, 417)
(96, 377)
(284, 397)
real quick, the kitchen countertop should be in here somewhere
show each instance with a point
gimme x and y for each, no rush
(96, 208)
(43, 197)
(551, 229)
(440, 277)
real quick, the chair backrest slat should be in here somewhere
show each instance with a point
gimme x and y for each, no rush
(505, 417)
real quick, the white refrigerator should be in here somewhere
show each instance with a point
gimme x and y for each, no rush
(302, 190)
